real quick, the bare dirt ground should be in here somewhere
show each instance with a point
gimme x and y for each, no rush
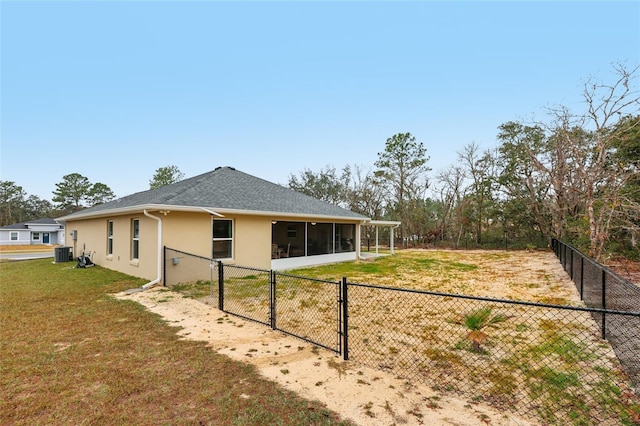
(358, 393)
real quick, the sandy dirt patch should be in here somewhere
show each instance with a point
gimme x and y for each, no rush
(358, 393)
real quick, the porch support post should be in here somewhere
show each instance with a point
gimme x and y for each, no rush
(391, 243)
(358, 240)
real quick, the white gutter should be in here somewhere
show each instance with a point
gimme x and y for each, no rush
(211, 212)
(159, 276)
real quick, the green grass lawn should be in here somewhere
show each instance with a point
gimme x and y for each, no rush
(412, 261)
(73, 354)
(487, 273)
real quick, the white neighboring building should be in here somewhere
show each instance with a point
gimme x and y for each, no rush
(36, 232)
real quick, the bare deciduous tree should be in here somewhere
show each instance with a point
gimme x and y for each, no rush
(567, 166)
(603, 178)
(450, 190)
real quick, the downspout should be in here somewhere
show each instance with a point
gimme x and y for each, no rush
(159, 274)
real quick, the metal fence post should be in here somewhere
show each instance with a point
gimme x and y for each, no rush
(581, 277)
(212, 266)
(604, 302)
(220, 286)
(164, 266)
(272, 299)
(571, 265)
(561, 254)
(345, 320)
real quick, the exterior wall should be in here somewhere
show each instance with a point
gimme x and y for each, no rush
(57, 238)
(56, 233)
(190, 232)
(252, 245)
(24, 237)
(45, 228)
(92, 237)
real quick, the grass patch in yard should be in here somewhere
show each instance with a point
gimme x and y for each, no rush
(402, 267)
(195, 290)
(247, 286)
(73, 354)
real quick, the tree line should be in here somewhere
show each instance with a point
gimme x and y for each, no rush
(73, 193)
(574, 176)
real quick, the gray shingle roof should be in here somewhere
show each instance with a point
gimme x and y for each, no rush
(225, 188)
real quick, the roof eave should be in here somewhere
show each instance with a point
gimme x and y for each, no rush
(211, 210)
(128, 210)
(287, 215)
(393, 223)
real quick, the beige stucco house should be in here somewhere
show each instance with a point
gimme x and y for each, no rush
(223, 214)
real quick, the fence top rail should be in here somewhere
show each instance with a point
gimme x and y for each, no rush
(620, 279)
(245, 268)
(496, 300)
(281, 274)
(210, 259)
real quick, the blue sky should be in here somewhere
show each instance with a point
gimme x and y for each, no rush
(114, 90)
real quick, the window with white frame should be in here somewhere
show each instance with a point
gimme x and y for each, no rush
(35, 236)
(14, 236)
(109, 237)
(222, 239)
(135, 239)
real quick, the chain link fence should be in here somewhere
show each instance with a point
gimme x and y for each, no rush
(246, 292)
(546, 363)
(600, 287)
(195, 275)
(309, 309)
(303, 307)
(467, 242)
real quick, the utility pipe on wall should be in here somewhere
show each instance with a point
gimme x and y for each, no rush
(159, 274)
